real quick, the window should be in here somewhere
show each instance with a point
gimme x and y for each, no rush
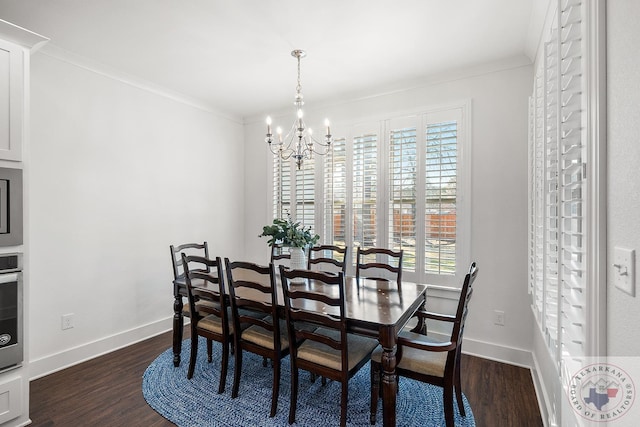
(392, 183)
(564, 176)
(281, 187)
(441, 173)
(287, 176)
(304, 196)
(403, 158)
(335, 194)
(364, 192)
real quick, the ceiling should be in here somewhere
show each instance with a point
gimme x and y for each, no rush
(235, 56)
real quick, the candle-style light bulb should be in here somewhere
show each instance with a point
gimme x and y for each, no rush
(279, 132)
(269, 124)
(326, 123)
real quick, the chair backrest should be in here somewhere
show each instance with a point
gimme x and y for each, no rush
(279, 255)
(379, 263)
(252, 288)
(320, 302)
(463, 304)
(207, 283)
(201, 249)
(328, 258)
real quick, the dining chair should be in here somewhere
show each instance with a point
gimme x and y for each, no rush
(257, 326)
(328, 351)
(208, 321)
(328, 258)
(279, 255)
(370, 264)
(425, 359)
(181, 310)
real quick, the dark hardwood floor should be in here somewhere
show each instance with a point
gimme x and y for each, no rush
(107, 391)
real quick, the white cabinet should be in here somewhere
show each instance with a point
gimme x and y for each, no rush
(11, 100)
(10, 398)
(16, 46)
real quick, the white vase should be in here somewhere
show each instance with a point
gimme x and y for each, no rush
(298, 261)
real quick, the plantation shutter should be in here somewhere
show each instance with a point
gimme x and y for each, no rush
(559, 243)
(551, 291)
(305, 194)
(537, 196)
(335, 193)
(572, 154)
(441, 195)
(281, 187)
(403, 163)
(364, 190)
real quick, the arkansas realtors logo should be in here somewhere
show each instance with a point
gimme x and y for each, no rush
(601, 392)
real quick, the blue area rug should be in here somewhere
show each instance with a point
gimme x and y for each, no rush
(195, 402)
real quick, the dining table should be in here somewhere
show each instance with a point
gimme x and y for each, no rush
(374, 308)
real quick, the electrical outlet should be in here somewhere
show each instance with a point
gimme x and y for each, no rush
(67, 321)
(498, 317)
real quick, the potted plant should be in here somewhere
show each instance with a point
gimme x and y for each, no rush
(287, 232)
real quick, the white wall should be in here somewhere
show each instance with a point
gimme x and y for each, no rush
(118, 173)
(623, 158)
(499, 195)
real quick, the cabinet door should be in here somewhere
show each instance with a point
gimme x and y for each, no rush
(11, 101)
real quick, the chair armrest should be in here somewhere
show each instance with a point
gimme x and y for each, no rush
(435, 316)
(426, 345)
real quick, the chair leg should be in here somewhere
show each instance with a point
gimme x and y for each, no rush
(294, 393)
(194, 353)
(276, 386)
(458, 390)
(178, 325)
(209, 350)
(343, 402)
(224, 365)
(237, 370)
(447, 398)
(264, 362)
(375, 391)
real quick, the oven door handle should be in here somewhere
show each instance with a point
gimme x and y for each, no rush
(8, 277)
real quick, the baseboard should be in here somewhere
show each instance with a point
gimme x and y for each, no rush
(55, 362)
(499, 353)
(541, 395)
(492, 351)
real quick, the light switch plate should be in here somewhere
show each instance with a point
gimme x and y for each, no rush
(624, 266)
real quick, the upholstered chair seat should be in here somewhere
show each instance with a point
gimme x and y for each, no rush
(318, 353)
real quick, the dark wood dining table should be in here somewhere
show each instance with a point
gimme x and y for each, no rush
(376, 309)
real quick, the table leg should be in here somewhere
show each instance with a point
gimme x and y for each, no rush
(177, 329)
(389, 384)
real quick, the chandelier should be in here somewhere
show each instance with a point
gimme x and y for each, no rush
(299, 142)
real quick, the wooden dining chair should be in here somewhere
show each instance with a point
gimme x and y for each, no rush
(425, 359)
(379, 264)
(209, 321)
(328, 258)
(279, 255)
(180, 310)
(257, 326)
(328, 351)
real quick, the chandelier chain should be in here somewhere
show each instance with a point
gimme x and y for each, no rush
(299, 86)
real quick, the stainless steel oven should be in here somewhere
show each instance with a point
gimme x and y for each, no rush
(11, 311)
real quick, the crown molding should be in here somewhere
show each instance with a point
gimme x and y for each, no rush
(99, 68)
(21, 36)
(404, 86)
